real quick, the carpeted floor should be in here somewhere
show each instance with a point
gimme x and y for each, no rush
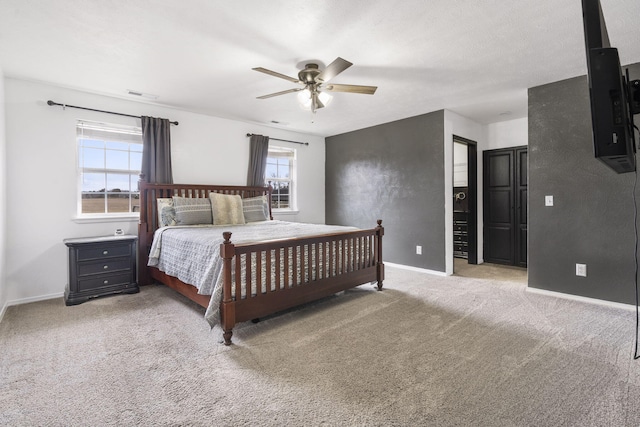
(428, 350)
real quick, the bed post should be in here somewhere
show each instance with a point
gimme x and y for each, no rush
(227, 309)
(379, 263)
(143, 235)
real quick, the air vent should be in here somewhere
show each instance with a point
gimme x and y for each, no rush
(141, 94)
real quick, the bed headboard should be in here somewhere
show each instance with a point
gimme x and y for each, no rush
(150, 192)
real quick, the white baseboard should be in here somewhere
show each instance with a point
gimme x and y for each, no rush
(587, 300)
(582, 299)
(419, 270)
(28, 300)
(35, 299)
(2, 311)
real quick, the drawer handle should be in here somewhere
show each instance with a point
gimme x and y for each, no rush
(106, 282)
(106, 267)
(105, 252)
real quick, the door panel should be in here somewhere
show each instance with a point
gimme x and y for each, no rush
(500, 206)
(521, 208)
(522, 204)
(500, 165)
(505, 206)
(501, 248)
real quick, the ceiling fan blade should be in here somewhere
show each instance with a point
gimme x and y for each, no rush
(280, 93)
(367, 90)
(274, 74)
(333, 69)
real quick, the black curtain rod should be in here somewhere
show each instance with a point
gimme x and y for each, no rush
(99, 111)
(283, 140)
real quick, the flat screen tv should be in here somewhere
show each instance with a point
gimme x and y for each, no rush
(609, 90)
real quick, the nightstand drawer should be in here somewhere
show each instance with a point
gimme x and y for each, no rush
(97, 282)
(103, 266)
(104, 251)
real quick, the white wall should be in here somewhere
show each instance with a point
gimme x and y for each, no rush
(460, 165)
(455, 124)
(3, 201)
(41, 174)
(512, 133)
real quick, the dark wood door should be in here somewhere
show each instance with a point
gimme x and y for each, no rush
(521, 207)
(505, 206)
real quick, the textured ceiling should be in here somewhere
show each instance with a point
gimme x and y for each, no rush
(476, 58)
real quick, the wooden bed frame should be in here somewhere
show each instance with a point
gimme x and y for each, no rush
(360, 260)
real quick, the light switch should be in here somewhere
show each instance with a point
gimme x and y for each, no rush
(548, 200)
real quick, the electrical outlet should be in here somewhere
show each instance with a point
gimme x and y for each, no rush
(418, 250)
(548, 200)
(581, 270)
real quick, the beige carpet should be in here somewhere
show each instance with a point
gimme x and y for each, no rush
(428, 350)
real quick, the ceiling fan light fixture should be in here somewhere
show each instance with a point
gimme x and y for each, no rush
(304, 98)
(325, 98)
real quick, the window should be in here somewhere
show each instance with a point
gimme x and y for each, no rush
(109, 163)
(280, 174)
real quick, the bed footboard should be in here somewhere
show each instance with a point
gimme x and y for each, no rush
(281, 274)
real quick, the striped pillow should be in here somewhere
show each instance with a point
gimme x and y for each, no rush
(190, 211)
(255, 209)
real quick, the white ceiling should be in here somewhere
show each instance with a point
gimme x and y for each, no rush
(476, 58)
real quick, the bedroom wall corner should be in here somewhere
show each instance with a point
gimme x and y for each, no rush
(394, 172)
(310, 180)
(3, 216)
(41, 169)
(592, 219)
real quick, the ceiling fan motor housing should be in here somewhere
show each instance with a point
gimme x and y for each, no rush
(308, 75)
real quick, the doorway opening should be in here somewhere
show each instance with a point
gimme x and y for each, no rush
(465, 205)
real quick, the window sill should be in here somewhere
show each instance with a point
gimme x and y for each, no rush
(87, 219)
(285, 212)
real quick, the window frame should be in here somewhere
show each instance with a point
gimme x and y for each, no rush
(278, 151)
(129, 135)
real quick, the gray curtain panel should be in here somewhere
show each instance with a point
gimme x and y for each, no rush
(257, 160)
(156, 150)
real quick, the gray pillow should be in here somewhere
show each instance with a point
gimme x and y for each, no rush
(190, 211)
(255, 209)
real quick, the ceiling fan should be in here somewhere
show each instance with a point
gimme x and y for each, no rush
(315, 81)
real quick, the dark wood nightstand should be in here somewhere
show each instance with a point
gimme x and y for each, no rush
(100, 266)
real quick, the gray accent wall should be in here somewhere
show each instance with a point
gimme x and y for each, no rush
(393, 172)
(592, 220)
